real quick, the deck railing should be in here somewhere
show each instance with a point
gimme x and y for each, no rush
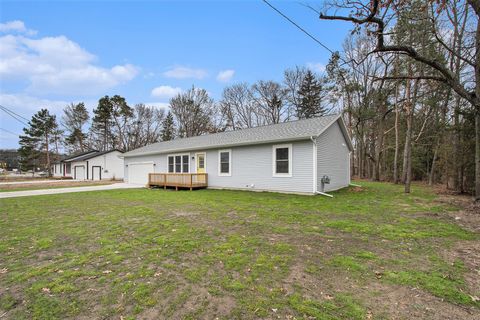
(178, 180)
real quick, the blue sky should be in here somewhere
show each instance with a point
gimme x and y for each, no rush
(54, 53)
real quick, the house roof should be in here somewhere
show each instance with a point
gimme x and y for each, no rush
(95, 154)
(287, 131)
(77, 155)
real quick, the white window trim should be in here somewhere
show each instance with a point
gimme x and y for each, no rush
(179, 154)
(229, 174)
(205, 160)
(274, 160)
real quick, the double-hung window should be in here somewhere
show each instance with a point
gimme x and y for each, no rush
(178, 163)
(282, 160)
(225, 162)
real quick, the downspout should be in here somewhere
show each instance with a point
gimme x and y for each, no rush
(314, 141)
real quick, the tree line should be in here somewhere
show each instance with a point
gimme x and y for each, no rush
(114, 124)
(408, 80)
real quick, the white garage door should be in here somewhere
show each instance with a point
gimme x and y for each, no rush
(138, 172)
(79, 172)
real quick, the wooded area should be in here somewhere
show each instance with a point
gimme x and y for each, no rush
(406, 82)
(409, 82)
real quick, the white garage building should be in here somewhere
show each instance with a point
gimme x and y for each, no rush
(91, 165)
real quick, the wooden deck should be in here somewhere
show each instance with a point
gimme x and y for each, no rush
(178, 180)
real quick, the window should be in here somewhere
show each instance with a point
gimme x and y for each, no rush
(170, 164)
(68, 168)
(282, 160)
(224, 162)
(178, 163)
(185, 162)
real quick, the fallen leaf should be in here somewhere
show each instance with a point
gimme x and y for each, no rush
(46, 290)
(4, 270)
(107, 271)
(369, 314)
(475, 298)
(274, 310)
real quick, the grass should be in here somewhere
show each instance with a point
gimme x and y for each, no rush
(228, 254)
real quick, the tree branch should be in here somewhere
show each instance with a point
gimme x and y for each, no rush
(447, 76)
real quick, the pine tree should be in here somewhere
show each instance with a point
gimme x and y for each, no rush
(102, 123)
(168, 128)
(28, 153)
(310, 97)
(74, 118)
(38, 137)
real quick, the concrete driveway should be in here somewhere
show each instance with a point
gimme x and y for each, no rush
(29, 193)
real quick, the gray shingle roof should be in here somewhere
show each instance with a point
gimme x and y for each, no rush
(94, 154)
(287, 131)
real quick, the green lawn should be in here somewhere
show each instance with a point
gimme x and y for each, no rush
(155, 254)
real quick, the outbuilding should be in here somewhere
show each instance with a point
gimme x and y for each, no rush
(91, 165)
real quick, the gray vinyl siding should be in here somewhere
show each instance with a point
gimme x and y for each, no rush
(251, 167)
(333, 159)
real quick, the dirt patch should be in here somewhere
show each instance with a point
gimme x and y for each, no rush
(401, 302)
(185, 213)
(469, 253)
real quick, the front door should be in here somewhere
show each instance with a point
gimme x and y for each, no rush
(200, 162)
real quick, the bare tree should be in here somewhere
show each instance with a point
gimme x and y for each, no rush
(238, 107)
(145, 126)
(375, 15)
(193, 111)
(292, 80)
(270, 99)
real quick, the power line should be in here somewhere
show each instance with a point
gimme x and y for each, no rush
(298, 26)
(12, 114)
(15, 113)
(312, 36)
(10, 132)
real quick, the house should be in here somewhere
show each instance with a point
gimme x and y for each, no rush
(303, 156)
(91, 165)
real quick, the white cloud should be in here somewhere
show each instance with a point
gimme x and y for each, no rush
(57, 65)
(316, 66)
(16, 26)
(165, 92)
(26, 105)
(181, 72)
(225, 75)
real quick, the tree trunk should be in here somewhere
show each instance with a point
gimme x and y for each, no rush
(431, 176)
(48, 153)
(477, 151)
(397, 138)
(407, 156)
(379, 143)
